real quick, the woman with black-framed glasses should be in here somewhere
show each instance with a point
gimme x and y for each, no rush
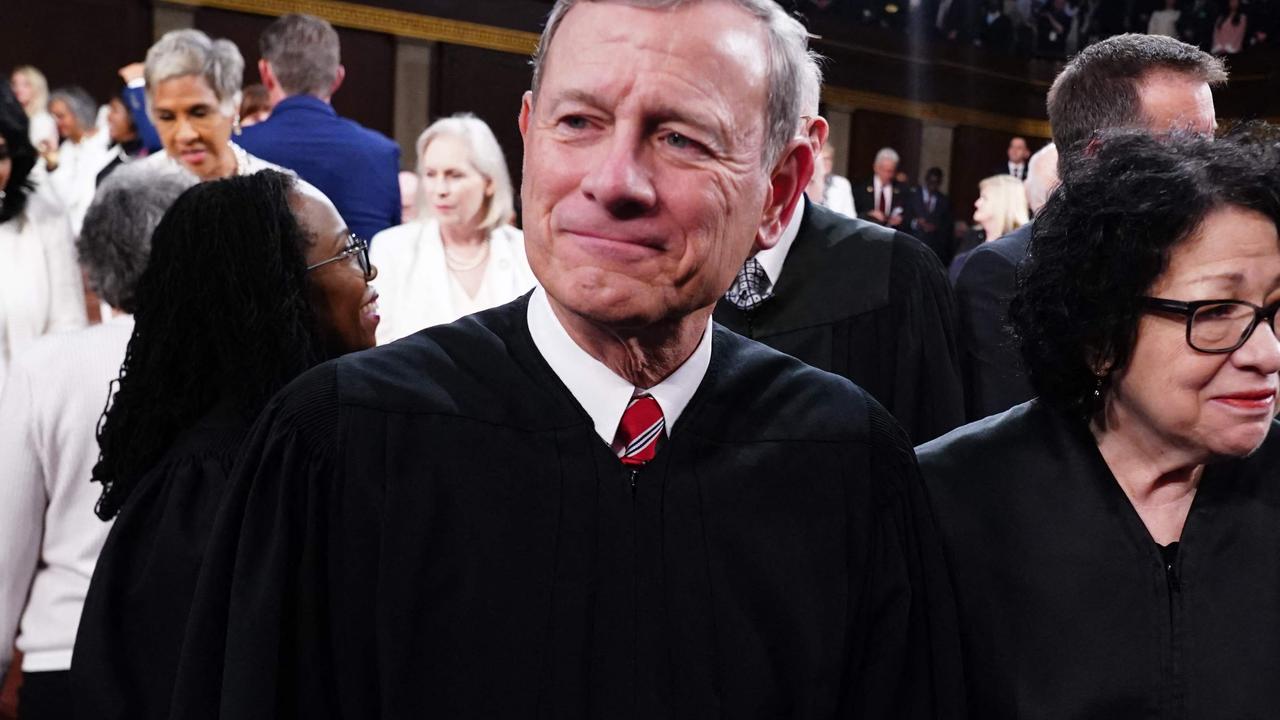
(251, 281)
(1114, 542)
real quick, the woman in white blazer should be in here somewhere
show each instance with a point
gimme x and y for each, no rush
(461, 255)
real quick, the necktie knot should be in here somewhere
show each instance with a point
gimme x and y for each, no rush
(750, 287)
(640, 431)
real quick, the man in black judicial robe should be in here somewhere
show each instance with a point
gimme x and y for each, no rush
(870, 304)
(442, 528)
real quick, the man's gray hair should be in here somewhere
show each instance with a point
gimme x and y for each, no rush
(887, 153)
(115, 241)
(811, 86)
(304, 54)
(180, 53)
(788, 53)
(485, 155)
(79, 103)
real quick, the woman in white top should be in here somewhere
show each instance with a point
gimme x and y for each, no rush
(32, 90)
(460, 255)
(40, 288)
(1165, 22)
(193, 96)
(74, 165)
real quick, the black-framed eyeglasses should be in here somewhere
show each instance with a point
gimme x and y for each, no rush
(356, 246)
(1217, 326)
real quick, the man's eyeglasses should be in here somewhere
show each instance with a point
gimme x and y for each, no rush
(1217, 326)
(356, 246)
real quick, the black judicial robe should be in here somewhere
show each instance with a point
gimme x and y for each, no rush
(135, 613)
(433, 529)
(872, 305)
(1067, 607)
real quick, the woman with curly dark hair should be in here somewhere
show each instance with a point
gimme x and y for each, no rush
(1113, 542)
(251, 281)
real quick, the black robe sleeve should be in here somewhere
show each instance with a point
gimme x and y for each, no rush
(278, 629)
(908, 662)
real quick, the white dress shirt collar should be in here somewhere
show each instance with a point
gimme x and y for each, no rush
(601, 392)
(773, 258)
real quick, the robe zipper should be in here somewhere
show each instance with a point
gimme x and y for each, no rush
(1174, 587)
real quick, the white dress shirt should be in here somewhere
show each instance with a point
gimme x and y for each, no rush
(49, 536)
(839, 196)
(772, 260)
(1018, 170)
(416, 289)
(603, 394)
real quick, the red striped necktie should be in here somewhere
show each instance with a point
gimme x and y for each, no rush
(640, 431)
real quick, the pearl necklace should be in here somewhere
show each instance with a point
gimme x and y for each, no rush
(460, 266)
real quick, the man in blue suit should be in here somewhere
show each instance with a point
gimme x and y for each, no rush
(356, 167)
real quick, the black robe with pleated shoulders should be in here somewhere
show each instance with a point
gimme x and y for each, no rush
(433, 528)
(1069, 609)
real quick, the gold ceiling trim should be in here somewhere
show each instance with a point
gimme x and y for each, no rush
(846, 99)
(392, 22)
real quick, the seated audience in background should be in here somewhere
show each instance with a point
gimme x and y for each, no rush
(1132, 80)
(592, 502)
(1165, 20)
(1131, 509)
(126, 143)
(255, 106)
(1000, 209)
(461, 255)
(355, 167)
(49, 410)
(1053, 23)
(31, 89)
(853, 298)
(995, 29)
(881, 199)
(193, 84)
(1229, 30)
(931, 219)
(1016, 156)
(251, 281)
(74, 165)
(40, 289)
(408, 195)
(828, 189)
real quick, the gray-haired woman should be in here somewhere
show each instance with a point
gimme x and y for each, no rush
(193, 93)
(73, 166)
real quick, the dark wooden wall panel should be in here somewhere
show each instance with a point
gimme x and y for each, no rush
(75, 42)
(872, 131)
(975, 155)
(368, 94)
(490, 85)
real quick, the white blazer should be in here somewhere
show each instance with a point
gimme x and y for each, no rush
(414, 285)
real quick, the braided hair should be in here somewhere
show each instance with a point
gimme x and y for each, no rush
(221, 317)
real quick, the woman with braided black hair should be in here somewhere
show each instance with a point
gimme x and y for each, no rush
(251, 281)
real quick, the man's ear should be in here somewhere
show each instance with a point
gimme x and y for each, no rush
(526, 111)
(338, 77)
(786, 185)
(818, 131)
(269, 81)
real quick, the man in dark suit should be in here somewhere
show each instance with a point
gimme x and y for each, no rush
(856, 299)
(1098, 89)
(356, 167)
(1016, 156)
(882, 199)
(930, 212)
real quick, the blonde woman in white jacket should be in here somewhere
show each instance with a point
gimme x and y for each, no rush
(461, 255)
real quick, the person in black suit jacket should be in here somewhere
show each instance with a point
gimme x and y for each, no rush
(994, 378)
(1016, 157)
(931, 218)
(874, 203)
(995, 29)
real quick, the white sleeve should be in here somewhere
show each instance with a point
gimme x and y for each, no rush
(22, 485)
(66, 287)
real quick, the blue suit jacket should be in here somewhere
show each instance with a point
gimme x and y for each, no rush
(356, 167)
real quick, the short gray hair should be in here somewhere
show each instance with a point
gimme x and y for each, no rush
(788, 53)
(79, 103)
(485, 155)
(115, 241)
(190, 52)
(304, 54)
(887, 153)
